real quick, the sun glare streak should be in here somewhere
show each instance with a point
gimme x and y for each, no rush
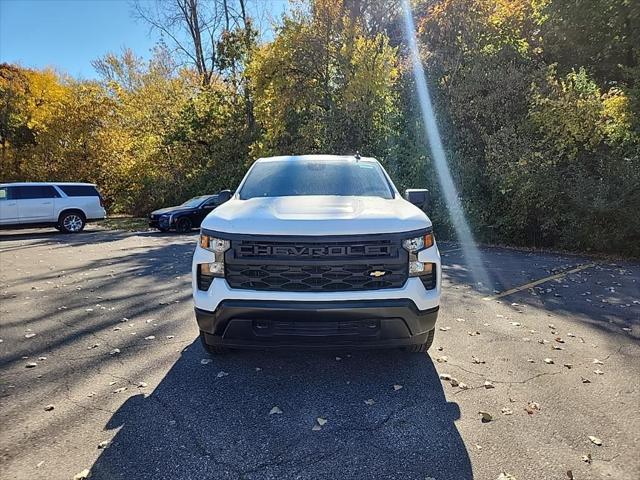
(471, 253)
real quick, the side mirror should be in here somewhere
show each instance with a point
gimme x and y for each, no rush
(224, 195)
(418, 196)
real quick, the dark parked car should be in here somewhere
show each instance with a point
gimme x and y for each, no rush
(188, 215)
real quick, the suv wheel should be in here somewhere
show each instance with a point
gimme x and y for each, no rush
(72, 222)
(212, 349)
(183, 225)
(425, 346)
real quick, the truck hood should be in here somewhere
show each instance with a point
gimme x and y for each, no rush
(316, 215)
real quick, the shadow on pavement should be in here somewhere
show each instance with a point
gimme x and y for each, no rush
(201, 423)
(603, 295)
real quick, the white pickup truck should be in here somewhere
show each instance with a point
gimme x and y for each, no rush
(317, 251)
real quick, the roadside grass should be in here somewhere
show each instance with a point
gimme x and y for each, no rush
(123, 222)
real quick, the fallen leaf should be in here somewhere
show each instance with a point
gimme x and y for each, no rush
(595, 440)
(445, 376)
(142, 385)
(454, 382)
(120, 390)
(48, 408)
(150, 337)
(370, 401)
(205, 361)
(548, 361)
(221, 374)
(397, 387)
(597, 362)
(585, 380)
(507, 411)
(104, 444)
(463, 386)
(29, 335)
(486, 417)
(31, 365)
(476, 360)
(316, 427)
(442, 359)
(532, 407)
(586, 458)
(83, 475)
(460, 319)
(516, 324)
(473, 334)
(487, 384)
(598, 372)
(444, 329)
(115, 351)
(275, 411)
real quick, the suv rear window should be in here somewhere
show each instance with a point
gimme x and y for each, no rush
(25, 192)
(79, 190)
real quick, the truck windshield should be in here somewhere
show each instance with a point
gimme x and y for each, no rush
(288, 178)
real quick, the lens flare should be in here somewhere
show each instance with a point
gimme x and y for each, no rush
(473, 257)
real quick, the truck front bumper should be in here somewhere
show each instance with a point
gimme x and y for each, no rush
(282, 324)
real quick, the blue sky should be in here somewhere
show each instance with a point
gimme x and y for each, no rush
(69, 34)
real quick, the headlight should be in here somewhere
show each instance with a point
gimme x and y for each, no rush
(415, 245)
(216, 245)
(207, 271)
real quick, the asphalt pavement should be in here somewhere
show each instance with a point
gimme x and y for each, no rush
(102, 374)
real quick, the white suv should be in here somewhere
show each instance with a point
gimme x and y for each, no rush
(65, 206)
(317, 251)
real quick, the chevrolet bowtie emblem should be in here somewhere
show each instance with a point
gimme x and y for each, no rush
(377, 273)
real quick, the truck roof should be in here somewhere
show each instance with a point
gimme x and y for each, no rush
(316, 158)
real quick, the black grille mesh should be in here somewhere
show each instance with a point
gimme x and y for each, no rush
(318, 273)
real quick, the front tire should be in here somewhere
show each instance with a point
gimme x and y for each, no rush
(422, 348)
(72, 222)
(212, 349)
(183, 225)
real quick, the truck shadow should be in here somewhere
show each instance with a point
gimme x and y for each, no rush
(212, 420)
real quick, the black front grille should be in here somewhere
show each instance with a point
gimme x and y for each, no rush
(305, 265)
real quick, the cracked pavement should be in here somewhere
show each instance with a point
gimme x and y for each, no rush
(83, 296)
